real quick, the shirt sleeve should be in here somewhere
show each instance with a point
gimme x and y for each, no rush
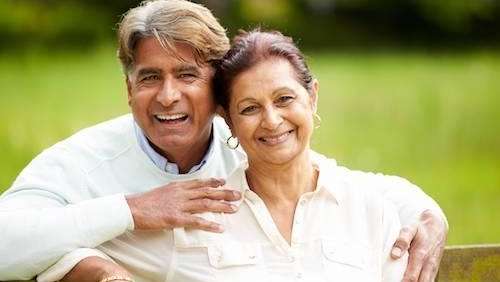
(392, 269)
(410, 201)
(62, 267)
(48, 212)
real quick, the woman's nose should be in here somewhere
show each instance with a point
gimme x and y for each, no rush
(272, 118)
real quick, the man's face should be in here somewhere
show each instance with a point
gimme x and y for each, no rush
(171, 99)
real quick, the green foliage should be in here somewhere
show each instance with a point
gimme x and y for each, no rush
(432, 118)
(324, 23)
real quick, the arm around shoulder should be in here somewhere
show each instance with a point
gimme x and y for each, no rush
(41, 215)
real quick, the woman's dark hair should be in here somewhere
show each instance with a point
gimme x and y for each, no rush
(250, 48)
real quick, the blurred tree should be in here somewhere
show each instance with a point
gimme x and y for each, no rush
(81, 23)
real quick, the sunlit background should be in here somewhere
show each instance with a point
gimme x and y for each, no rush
(410, 88)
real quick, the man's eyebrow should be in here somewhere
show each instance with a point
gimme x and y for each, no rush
(148, 71)
(187, 68)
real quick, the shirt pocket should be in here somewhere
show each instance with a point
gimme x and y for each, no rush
(346, 261)
(236, 261)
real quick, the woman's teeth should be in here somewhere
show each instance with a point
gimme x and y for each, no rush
(276, 139)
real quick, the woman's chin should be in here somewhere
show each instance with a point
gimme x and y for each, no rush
(276, 157)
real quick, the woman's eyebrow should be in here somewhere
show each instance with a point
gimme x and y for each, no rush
(283, 89)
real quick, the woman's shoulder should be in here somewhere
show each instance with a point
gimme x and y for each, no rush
(356, 190)
(364, 181)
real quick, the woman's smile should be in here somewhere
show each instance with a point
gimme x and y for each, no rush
(276, 139)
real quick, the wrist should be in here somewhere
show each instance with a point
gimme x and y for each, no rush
(135, 212)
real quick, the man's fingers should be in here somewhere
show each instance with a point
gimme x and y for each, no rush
(197, 183)
(196, 222)
(215, 194)
(429, 270)
(403, 241)
(416, 259)
(208, 205)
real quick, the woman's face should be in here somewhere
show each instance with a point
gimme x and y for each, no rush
(271, 113)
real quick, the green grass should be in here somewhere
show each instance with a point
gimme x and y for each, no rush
(432, 118)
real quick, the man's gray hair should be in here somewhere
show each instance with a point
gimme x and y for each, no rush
(170, 22)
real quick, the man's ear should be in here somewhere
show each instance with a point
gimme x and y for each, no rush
(129, 90)
(314, 95)
(221, 112)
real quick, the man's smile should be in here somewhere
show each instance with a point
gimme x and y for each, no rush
(171, 118)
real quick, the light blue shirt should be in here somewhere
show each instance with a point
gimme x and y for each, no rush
(160, 161)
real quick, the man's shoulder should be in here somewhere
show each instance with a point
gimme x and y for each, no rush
(104, 140)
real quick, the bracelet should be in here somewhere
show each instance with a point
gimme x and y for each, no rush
(114, 278)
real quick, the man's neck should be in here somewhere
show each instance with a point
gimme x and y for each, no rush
(186, 158)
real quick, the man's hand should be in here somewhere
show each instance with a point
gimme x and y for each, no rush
(425, 242)
(174, 204)
(95, 269)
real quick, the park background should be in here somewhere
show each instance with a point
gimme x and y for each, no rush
(410, 88)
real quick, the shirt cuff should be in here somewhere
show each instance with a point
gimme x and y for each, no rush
(103, 218)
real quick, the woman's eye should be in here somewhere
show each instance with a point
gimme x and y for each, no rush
(284, 100)
(249, 110)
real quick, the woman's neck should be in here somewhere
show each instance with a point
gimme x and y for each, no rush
(283, 183)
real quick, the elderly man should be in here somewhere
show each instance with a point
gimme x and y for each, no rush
(101, 205)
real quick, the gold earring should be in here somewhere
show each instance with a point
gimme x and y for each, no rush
(317, 120)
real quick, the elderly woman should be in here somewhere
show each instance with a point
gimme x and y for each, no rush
(302, 217)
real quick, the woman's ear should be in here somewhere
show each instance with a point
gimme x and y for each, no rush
(221, 112)
(314, 95)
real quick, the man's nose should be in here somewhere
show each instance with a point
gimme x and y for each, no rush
(169, 93)
(272, 118)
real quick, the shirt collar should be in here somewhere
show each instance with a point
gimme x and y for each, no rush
(160, 161)
(330, 180)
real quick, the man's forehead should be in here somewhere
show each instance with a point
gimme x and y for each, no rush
(179, 51)
(150, 53)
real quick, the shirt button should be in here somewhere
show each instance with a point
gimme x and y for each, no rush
(303, 202)
(291, 259)
(299, 275)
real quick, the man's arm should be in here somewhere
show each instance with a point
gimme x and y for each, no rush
(47, 214)
(164, 207)
(36, 238)
(424, 229)
(82, 265)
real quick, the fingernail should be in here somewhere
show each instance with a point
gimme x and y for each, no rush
(396, 252)
(237, 194)
(219, 228)
(233, 208)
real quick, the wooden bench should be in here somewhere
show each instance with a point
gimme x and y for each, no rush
(470, 263)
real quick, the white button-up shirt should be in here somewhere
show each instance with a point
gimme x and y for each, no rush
(342, 231)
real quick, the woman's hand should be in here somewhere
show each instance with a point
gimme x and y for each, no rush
(425, 241)
(96, 269)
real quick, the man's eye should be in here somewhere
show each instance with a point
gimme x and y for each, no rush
(152, 77)
(248, 110)
(187, 76)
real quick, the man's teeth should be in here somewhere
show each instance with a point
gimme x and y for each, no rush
(170, 117)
